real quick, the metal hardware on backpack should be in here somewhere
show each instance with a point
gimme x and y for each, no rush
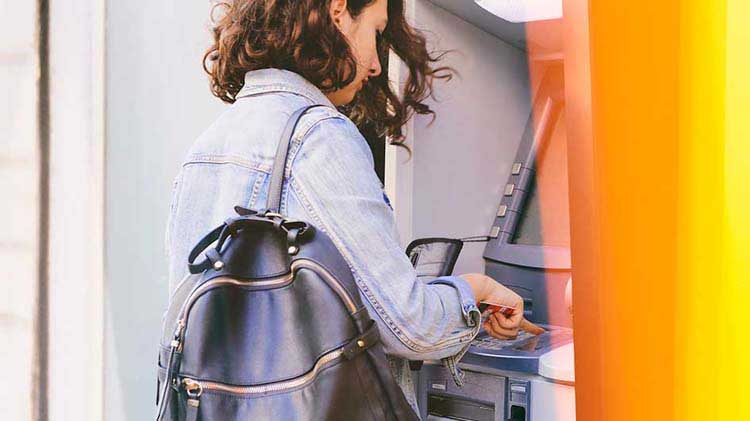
(271, 326)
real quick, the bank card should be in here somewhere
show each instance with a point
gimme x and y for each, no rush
(489, 308)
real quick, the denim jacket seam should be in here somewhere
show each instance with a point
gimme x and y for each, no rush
(284, 198)
(282, 87)
(282, 81)
(299, 140)
(306, 128)
(378, 308)
(227, 159)
(255, 192)
(173, 207)
(265, 80)
(412, 344)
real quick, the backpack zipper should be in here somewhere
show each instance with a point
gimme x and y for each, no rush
(195, 388)
(330, 280)
(197, 292)
(299, 263)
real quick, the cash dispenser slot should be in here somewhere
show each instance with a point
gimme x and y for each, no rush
(456, 408)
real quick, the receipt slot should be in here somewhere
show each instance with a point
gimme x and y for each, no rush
(518, 400)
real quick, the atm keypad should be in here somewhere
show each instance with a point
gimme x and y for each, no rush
(488, 342)
(525, 341)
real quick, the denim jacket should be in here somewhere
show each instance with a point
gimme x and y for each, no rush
(331, 183)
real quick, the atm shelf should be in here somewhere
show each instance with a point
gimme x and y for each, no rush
(519, 354)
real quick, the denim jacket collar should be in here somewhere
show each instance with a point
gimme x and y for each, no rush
(278, 80)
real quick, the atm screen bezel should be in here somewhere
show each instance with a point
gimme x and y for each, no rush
(501, 248)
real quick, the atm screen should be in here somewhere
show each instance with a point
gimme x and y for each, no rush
(441, 408)
(544, 220)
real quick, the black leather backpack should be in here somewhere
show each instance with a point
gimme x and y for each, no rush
(270, 326)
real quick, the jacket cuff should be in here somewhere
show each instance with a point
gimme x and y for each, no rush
(466, 297)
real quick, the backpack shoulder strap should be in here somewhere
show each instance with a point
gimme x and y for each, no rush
(279, 164)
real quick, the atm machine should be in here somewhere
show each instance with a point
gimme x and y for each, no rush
(496, 155)
(530, 377)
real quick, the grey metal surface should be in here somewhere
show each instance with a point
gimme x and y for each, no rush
(480, 117)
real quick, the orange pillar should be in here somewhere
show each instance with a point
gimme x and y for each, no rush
(623, 182)
(659, 155)
(584, 222)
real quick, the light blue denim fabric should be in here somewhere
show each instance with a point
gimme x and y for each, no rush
(331, 184)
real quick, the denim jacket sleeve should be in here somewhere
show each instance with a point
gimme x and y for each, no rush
(332, 177)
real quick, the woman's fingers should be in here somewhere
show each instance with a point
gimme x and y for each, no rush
(502, 327)
(490, 331)
(500, 331)
(531, 327)
(512, 322)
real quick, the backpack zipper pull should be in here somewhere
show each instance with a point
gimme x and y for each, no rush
(176, 343)
(174, 347)
(193, 390)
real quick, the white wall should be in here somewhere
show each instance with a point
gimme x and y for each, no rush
(19, 157)
(462, 160)
(158, 102)
(76, 210)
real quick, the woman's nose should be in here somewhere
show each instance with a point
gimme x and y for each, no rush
(375, 68)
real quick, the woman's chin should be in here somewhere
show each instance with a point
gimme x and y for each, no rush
(343, 96)
(352, 91)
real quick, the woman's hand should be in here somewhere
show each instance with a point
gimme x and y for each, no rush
(490, 291)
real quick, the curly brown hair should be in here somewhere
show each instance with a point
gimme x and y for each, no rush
(300, 36)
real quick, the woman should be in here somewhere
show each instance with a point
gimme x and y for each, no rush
(272, 57)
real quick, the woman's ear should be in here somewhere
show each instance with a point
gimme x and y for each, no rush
(338, 12)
